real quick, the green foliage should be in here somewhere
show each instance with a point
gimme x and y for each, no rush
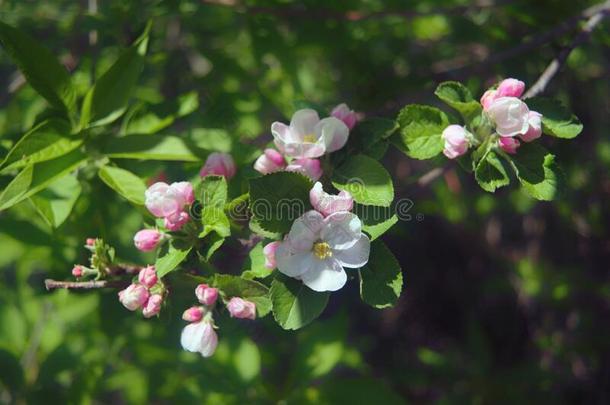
(127, 184)
(234, 286)
(537, 171)
(490, 172)
(381, 278)
(366, 180)
(171, 256)
(255, 265)
(420, 131)
(294, 304)
(457, 96)
(56, 202)
(557, 120)
(156, 147)
(213, 196)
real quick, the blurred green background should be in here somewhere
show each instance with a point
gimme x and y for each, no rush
(506, 300)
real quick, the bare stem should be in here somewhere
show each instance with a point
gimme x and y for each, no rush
(84, 285)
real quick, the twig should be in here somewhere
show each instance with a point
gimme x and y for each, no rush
(431, 175)
(84, 285)
(556, 64)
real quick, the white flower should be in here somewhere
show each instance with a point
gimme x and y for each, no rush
(510, 115)
(308, 136)
(164, 200)
(199, 337)
(317, 249)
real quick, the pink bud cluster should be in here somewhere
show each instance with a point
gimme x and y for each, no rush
(199, 335)
(169, 202)
(140, 295)
(272, 161)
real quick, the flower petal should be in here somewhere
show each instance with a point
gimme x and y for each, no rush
(356, 256)
(325, 275)
(290, 263)
(305, 231)
(341, 230)
(333, 132)
(303, 123)
(192, 336)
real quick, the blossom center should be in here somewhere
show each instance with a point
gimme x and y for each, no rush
(311, 138)
(322, 250)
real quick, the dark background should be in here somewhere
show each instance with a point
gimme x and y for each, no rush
(506, 300)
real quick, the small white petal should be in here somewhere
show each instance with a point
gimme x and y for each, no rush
(191, 337)
(290, 263)
(334, 132)
(303, 123)
(305, 231)
(356, 256)
(325, 275)
(341, 230)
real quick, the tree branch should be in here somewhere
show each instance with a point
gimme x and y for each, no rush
(84, 285)
(602, 11)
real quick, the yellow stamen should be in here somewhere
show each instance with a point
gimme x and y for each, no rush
(322, 250)
(311, 138)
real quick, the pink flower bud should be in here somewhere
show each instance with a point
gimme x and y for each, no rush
(148, 276)
(510, 88)
(509, 145)
(175, 222)
(147, 239)
(164, 200)
(456, 142)
(153, 306)
(220, 164)
(77, 271)
(488, 97)
(90, 241)
(133, 297)
(343, 112)
(327, 204)
(193, 314)
(199, 337)
(534, 130)
(240, 308)
(308, 167)
(270, 161)
(510, 115)
(269, 252)
(183, 190)
(206, 295)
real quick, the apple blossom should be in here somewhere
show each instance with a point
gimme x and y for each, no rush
(534, 131)
(153, 306)
(77, 271)
(240, 308)
(345, 114)
(200, 337)
(147, 239)
(327, 204)
(90, 241)
(175, 222)
(510, 88)
(311, 168)
(510, 116)
(456, 141)
(270, 161)
(148, 276)
(219, 164)
(509, 145)
(193, 314)
(164, 200)
(308, 136)
(269, 252)
(133, 297)
(206, 295)
(317, 249)
(488, 97)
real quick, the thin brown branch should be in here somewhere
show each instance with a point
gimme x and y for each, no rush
(602, 11)
(84, 285)
(428, 177)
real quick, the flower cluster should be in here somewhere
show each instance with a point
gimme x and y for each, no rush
(321, 243)
(199, 335)
(170, 202)
(146, 293)
(306, 138)
(510, 117)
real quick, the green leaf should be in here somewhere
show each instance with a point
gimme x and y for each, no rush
(370, 132)
(557, 120)
(376, 220)
(124, 182)
(153, 147)
(294, 304)
(47, 140)
(255, 264)
(235, 286)
(209, 245)
(34, 178)
(278, 199)
(458, 97)
(381, 278)
(366, 180)
(169, 259)
(490, 173)
(40, 67)
(420, 131)
(256, 227)
(11, 372)
(107, 99)
(212, 193)
(55, 203)
(537, 171)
